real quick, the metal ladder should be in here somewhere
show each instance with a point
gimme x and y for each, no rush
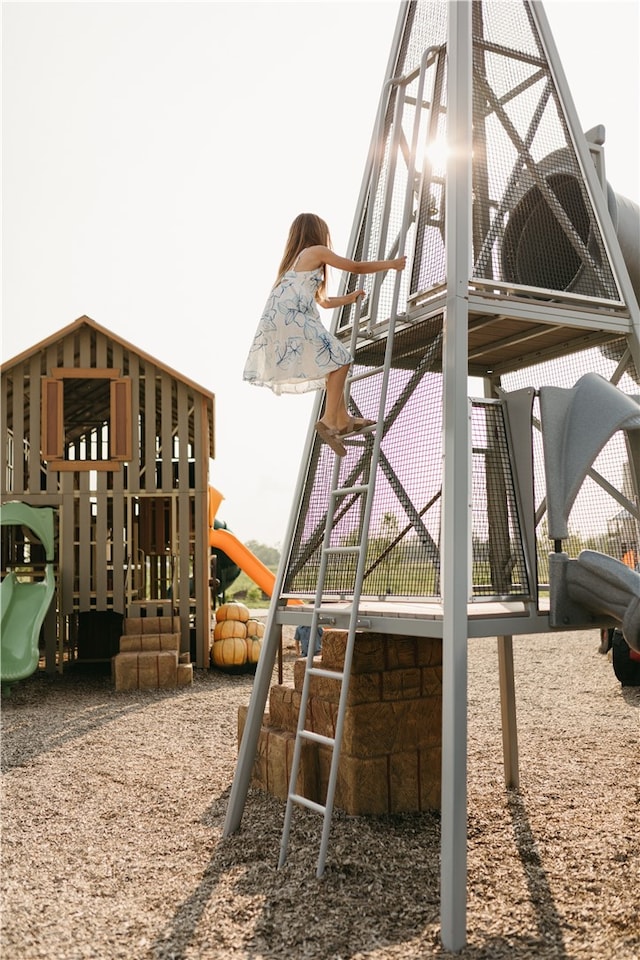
(367, 490)
(360, 550)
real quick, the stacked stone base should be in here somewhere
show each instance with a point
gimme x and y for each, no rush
(392, 738)
(149, 657)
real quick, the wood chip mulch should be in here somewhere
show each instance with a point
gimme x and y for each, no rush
(113, 806)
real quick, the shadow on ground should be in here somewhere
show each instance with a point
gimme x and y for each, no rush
(386, 897)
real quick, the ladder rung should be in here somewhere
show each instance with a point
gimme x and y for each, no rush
(373, 372)
(323, 672)
(360, 435)
(344, 491)
(305, 802)
(317, 737)
(364, 431)
(343, 549)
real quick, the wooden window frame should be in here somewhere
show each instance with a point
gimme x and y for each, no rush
(52, 420)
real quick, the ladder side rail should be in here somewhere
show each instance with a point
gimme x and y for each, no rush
(436, 110)
(410, 188)
(410, 191)
(306, 684)
(366, 202)
(353, 622)
(394, 150)
(375, 163)
(428, 55)
(376, 167)
(414, 183)
(414, 178)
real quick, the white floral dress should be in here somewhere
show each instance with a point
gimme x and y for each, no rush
(292, 352)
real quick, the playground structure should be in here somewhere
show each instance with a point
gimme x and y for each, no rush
(25, 599)
(522, 272)
(116, 447)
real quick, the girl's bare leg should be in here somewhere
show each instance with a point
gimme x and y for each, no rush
(336, 421)
(335, 412)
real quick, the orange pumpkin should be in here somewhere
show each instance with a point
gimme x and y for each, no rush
(254, 646)
(227, 629)
(230, 652)
(255, 628)
(234, 610)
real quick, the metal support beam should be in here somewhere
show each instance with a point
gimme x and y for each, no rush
(508, 712)
(456, 483)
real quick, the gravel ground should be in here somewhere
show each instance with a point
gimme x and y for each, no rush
(113, 807)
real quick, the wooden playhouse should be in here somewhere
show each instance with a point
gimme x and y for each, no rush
(119, 445)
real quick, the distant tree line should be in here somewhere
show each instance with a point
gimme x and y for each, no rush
(270, 556)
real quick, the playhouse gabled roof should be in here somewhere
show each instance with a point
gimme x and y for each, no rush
(85, 321)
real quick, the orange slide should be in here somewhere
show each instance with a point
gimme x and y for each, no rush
(235, 549)
(224, 540)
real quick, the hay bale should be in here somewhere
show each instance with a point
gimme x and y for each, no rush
(184, 674)
(277, 747)
(146, 670)
(125, 671)
(404, 782)
(284, 706)
(274, 757)
(373, 729)
(140, 625)
(363, 687)
(373, 652)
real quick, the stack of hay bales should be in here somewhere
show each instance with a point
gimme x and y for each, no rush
(392, 739)
(149, 657)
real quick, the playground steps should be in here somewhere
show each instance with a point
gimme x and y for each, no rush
(391, 749)
(149, 657)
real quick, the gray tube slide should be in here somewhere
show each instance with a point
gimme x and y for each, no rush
(625, 216)
(535, 250)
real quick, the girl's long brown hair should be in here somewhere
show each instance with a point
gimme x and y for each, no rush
(307, 230)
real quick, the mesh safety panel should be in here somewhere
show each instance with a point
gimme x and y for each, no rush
(403, 554)
(498, 558)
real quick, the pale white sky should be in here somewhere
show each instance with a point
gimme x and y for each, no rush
(154, 155)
